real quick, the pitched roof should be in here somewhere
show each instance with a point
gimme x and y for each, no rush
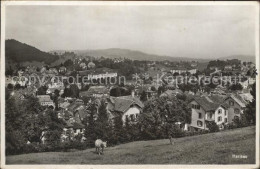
(123, 103)
(64, 105)
(73, 106)
(78, 126)
(247, 97)
(44, 98)
(206, 103)
(98, 89)
(237, 98)
(94, 90)
(171, 93)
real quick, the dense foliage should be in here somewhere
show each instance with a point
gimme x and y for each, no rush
(20, 52)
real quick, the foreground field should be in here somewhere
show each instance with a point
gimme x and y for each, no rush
(213, 148)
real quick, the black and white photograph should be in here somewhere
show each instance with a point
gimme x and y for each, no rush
(129, 83)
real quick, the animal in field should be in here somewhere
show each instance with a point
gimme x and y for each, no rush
(171, 140)
(100, 145)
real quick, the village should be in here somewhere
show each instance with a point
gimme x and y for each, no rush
(210, 105)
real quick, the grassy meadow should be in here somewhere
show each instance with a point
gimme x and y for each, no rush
(212, 148)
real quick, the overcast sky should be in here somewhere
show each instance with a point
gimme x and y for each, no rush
(188, 31)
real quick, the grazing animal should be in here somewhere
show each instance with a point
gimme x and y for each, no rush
(100, 144)
(171, 140)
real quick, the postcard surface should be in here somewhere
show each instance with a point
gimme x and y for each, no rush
(129, 84)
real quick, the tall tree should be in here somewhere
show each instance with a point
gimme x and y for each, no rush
(90, 124)
(250, 112)
(103, 125)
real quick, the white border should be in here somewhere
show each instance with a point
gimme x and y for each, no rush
(122, 3)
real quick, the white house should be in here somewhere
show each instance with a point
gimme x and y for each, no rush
(221, 110)
(183, 70)
(128, 106)
(45, 100)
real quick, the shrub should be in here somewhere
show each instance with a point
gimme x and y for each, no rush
(213, 127)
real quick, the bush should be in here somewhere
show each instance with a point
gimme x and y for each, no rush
(213, 127)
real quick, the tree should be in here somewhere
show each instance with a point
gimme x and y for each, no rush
(160, 115)
(213, 127)
(10, 86)
(90, 125)
(153, 88)
(42, 90)
(54, 127)
(55, 98)
(17, 86)
(143, 97)
(250, 112)
(103, 125)
(161, 89)
(26, 120)
(9, 72)
(235, 87)
(74, 91)
(118, 131)
(68, 63)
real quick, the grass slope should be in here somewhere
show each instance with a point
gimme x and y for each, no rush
(213, 148)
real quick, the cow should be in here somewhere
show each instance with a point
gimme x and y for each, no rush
(100, 144)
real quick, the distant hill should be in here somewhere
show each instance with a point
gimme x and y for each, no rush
(18, 52)
(126, 53)
(244, 58)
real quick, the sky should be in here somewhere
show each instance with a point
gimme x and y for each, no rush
(181, 31)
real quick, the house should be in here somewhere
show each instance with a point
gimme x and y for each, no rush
(194, 64)
(83, 65)
(219, 90)
(17, 95)
(62, 69)
(71, 130)
(236, 106)
(247, 97)
(181, 70)
(95, 91)
(128, 107)
(91, 65)
(220, 109)
(21, 80)
(102, 75)
(171, 93)
(206, 109)
(8, 80)
(45, 100)
(228, 68)
(244, 84)
(52, 90)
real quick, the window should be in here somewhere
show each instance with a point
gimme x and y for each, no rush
(219, 111)
(132, 117)
(195, 106)
(126, 116)
(231, 103)
(136, 115)
(219, 118)
(225, 112)
(199, 123)
(200, 115)
(210, 115)
(225, 120)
